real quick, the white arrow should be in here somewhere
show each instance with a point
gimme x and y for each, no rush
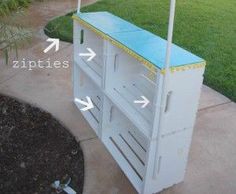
(145, 101)
(55, 42)
(88, 104)
(91, 54)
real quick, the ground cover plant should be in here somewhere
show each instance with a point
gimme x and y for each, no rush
(206, 28)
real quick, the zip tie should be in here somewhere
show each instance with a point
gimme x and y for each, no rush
(63, 187)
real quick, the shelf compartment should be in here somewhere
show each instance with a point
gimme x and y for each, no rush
(128, 80)
(133, 90)
(86, 87)
(131, 113)
(97, 78)
(126, 144)
(89, 39)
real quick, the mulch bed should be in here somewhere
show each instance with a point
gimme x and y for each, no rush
(36, 150)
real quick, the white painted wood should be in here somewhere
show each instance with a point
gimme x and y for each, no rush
(148, 182)
(150, 145)
(129, 111)
(135, 145)
(125, 145)
(84, 86)
(87, 39)
(124, 165)
(174, 158)
(129, 154)
(183, 104)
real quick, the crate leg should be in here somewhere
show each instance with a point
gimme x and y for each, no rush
(150, 167)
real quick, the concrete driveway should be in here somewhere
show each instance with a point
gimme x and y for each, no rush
(212, 162)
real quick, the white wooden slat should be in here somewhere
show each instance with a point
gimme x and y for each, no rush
(131, 157)
(90, 119)
(96, 110)
(139, 138)
(124, 165)
(135, 146)
(96, 114)
(97, 101)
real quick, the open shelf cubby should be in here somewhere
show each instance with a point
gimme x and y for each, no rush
(125, 142)
(127, 81)
(94, 67)
(83, 87)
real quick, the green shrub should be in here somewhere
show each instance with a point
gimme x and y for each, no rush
(6, 6)
(11, 33)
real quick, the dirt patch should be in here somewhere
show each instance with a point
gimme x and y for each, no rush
(36, 150)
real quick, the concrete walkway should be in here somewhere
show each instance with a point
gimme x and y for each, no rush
(212, 162)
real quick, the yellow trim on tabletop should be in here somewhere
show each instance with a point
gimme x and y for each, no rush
(187, 67)
(90, 27)
(149, 65)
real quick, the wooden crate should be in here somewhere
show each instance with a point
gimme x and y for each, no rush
(150, 144)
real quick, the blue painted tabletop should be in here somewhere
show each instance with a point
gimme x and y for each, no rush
(147, 45)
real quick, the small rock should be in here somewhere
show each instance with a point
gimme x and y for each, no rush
(4, 110)
(74, 152)
(22, 165)
(23, 110)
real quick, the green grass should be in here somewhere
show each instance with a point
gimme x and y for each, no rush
(60, 27)
(206, 28)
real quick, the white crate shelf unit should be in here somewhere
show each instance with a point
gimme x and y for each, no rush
(150, 144)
